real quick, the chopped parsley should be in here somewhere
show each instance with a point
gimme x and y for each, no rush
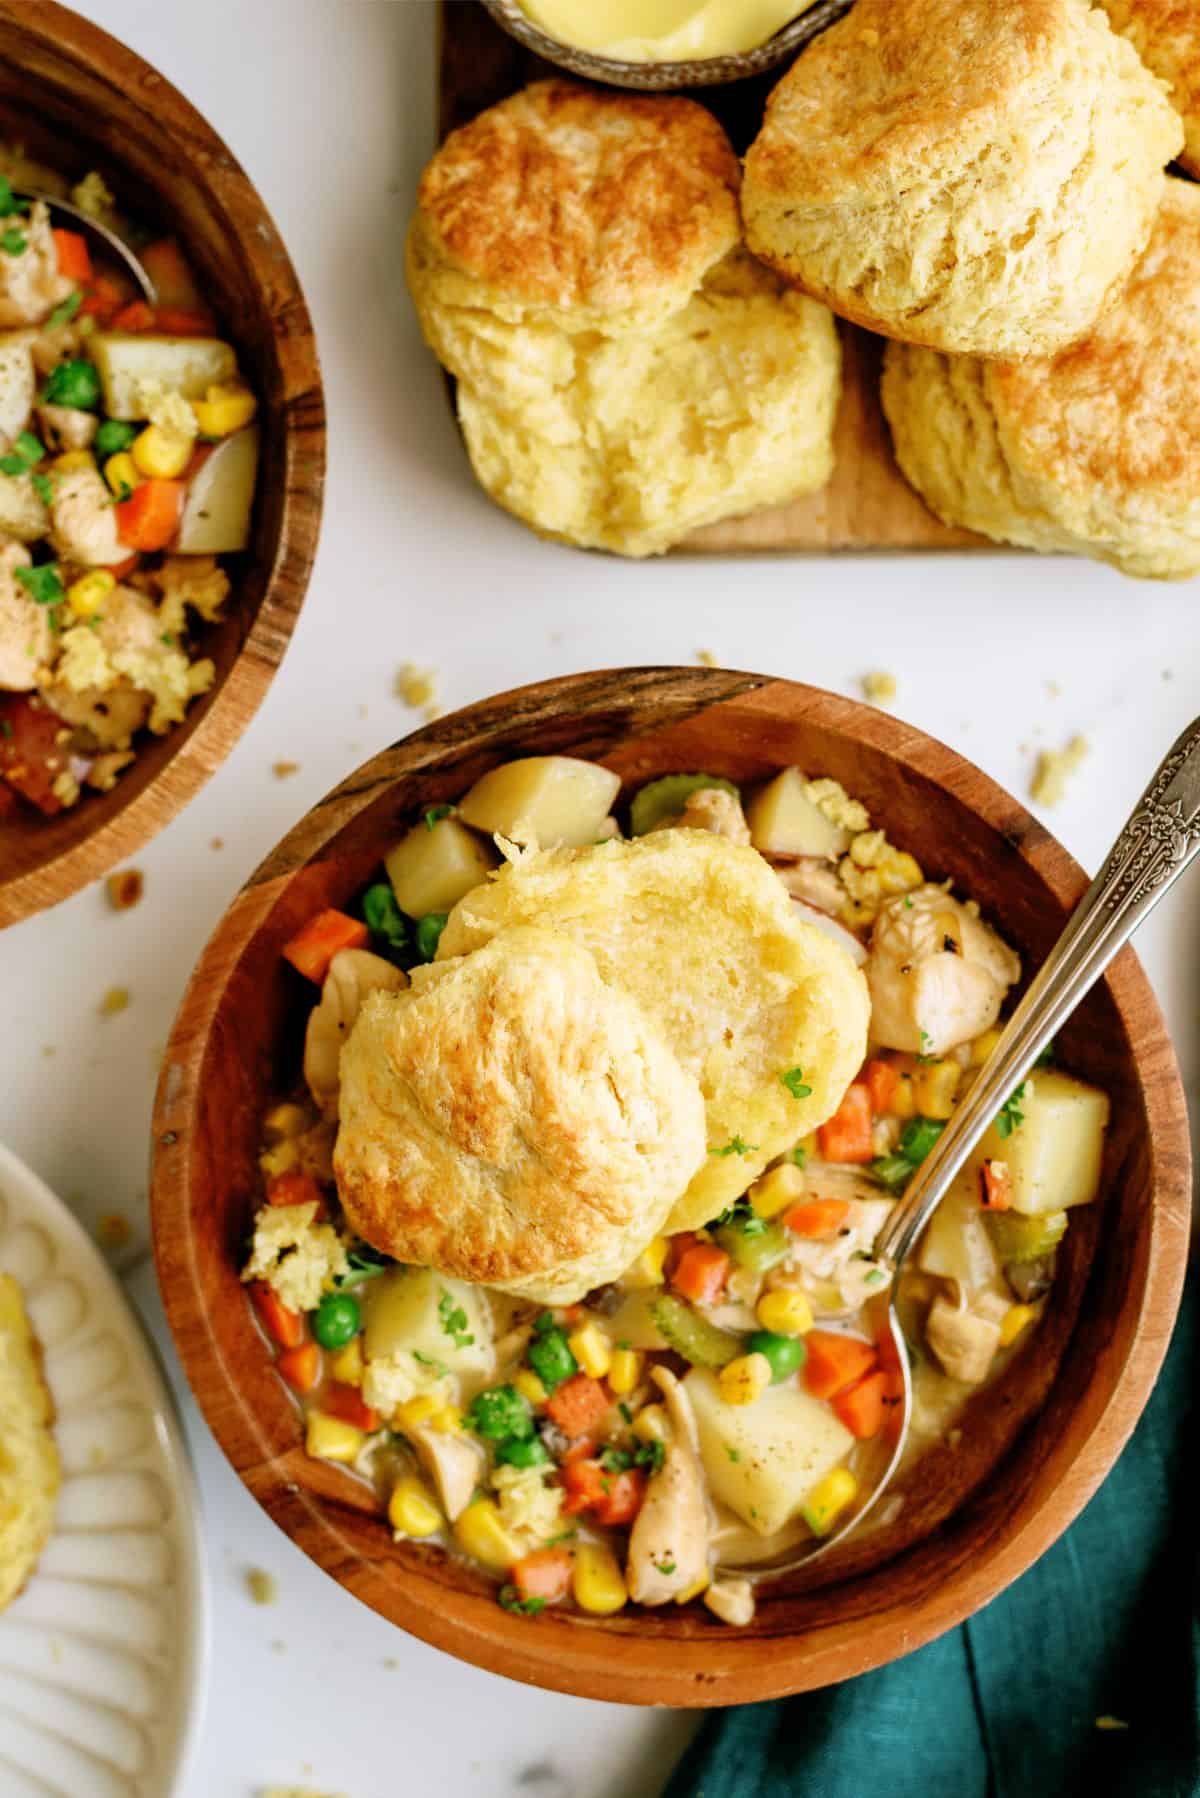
(735, 1146)
(435, 814)
(167, 640)
(454, 1321)
(43, 486)
(650, 1454)
(1047, 1056)
(623, 1408)
(874, 1277)
(9, 203)
(365, 1262)
(793, 1079)
(14, 242)
(511, 1600)
(733, 1453)
(42, 584)
(65, 312)
(925, 1057)
(799, 1155)
(432, 1362)
(616, 1460)
(6, 729)
(27, 450)
(666, 1565)
(1011, 1116)
(563, 1536)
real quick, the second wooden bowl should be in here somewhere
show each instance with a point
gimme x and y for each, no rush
(77, 99)
(1035, 1444)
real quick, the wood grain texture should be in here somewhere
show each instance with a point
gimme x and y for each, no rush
(79, 100)
(868, 504)
(1035, 1445)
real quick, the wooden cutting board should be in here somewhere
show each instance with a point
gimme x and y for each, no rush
(867, 504)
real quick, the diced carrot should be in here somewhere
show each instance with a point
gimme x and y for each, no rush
(995, 1186)
(578, 1404)
(282, 1326)
(835, 1362)
(127, 567)
(149, 518)
(882, 1080)
(171, 273)
(700, 1273)
(544, 1574)
(31, 757)
(861, 1406)
(846, 1136)
(583, 1483)
(105, 297)
(816, 1217)
(300, 1367)
(73, 259)
(294, 1188)
(177, 321)
(621, 1498)
(314, 946)
(137, 316)
(677, 1247)
(347, 1403)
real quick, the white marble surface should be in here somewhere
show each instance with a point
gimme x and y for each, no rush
(329, 104)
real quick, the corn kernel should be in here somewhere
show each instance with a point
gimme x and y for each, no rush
(650, 1424)
(857, 914)
(285, 1121)
(448, 1419)
(744, 1379)
(121, 473)
(934, 1088)
(1015, 1322)
(70, 460)
(903, 1103)
(480, 1531)
(161, 455)
(329, 1439)
(591, 1349)
(224, 410)
(347, 1364)
(899, 872)
(647, 1270)
(279, 1160)
(983, 1046)
(415, 1412)
(411, 1509)
(597, 1581)
(624, 1371)
(776, 1190)
(828, 1498)
(529, 1386)
(693, 1591)
(785, 1313)
(87, 595)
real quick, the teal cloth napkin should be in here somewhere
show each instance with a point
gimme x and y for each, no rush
(1106, 1624)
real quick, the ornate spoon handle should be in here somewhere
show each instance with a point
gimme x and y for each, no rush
(1159, 841)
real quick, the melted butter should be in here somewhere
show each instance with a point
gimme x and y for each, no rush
(663, 30)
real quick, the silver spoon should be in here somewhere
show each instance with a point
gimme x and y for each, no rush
(83, 221)
(1160, 839)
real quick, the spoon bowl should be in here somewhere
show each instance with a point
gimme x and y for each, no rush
(113, 246)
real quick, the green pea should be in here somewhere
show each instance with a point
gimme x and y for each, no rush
(551, 1359)
(429, 931)
(502, 1414)
(113, 437)
(73, 384)
(523, 1452)
(785, 1353)
(336, 1320)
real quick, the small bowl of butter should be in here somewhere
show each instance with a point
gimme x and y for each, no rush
(655, 44)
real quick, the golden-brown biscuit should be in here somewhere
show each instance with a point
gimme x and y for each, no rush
(563, 203)
(515, 1120)
(700, 932)
(1166, 35)
(1095, 451)
(29, 1467)
(973, 176)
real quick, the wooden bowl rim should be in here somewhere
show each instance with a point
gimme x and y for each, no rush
(249, 677)
(597, 1660)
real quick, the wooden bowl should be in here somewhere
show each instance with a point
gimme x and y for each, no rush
(974, 1518)
(78, 99)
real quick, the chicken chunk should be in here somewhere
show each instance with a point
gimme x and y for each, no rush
(25, 636)
(668, 1549)
(843, 1262)
(454, 1462)
(83, 520)
(814, 881)
(938, 974)
(67, 427)
(353, 973)
(22, 514)
(30, 284)
(715, 810)
(965, 1338)
(18, 385)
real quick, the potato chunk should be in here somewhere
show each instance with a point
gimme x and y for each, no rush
(131, 365)
(546, 799)
(220, 498)
(1055, 1153)
(18, 384)
(417, 1310)
(784, 821)
(957, 1244)
(763, 1460)
(431, 869)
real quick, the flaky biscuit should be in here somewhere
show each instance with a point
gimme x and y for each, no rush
(1166, 35)
(515, 1120)
(971, 176)
(30, 1474)
(700, 932)
(565, 203)
(1095, 451)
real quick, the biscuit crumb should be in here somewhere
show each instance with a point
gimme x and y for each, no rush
(125, 889)
(880, 688)
(217, 843)
(296, 1792)
(1111, 1723)
(415, 686)
(282, 770)
(707, 658)
(115, 1000)
(262, 1586)
(1054, 768)
(113, 1230)
(49, 1049)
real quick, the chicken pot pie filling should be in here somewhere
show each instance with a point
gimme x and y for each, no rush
(590, 1432)
(128, 461)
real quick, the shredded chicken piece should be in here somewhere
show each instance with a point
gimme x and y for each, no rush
(66, 427)
(814, 881)
(965, 1338)
(30, 284)
(732, 1600)
(25, 636)
(715, 810)
(455, 1463)
(83, 520)
(937, 973)
(353, 974)
(668, 1549)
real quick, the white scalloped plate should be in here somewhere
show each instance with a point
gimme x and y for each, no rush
(102, 1657)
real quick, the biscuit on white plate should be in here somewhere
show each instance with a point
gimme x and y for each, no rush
(515, 1120)
(1095, 451)
(29, 1466)
(978, 176)
(1166, 35)
(700, 932)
